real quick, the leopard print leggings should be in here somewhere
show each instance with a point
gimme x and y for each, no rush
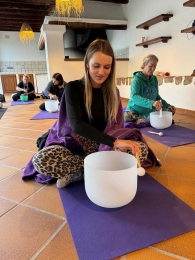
(57, 161)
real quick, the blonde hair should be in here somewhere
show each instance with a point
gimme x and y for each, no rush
(25, 76)
(108, 87)
(147, 59)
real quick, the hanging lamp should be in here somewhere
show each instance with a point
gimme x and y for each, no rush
(64, 7)
(26, 33)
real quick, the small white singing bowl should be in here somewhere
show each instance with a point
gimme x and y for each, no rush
(161, 122)
(51, 106)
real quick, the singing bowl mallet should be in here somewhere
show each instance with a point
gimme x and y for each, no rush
(160, 133)
(140, 170)
(160, 112)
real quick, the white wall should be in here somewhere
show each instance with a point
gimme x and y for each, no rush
(181, 95)
(177, 55)
(12, 49)
(75, 69)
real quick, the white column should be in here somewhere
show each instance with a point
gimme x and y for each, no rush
(54, 48)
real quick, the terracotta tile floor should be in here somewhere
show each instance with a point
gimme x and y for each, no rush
(32, 221)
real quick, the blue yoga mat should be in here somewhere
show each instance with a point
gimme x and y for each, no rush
(18, 103)
(174, 135)
(154, 215)
(45, 115)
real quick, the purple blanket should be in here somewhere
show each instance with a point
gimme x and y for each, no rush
(134, 125)
(62, 134)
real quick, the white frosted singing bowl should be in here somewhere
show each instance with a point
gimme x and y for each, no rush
(51, 105)
(161, 122)
(110, 178)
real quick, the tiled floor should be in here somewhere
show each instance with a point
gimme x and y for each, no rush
(32, 221)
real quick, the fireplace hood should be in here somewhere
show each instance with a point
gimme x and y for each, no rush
(77, 40)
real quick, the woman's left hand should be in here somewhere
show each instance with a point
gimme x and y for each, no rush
(172, 108)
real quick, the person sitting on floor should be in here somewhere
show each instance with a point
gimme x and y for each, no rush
(54, 89)
(90, 120)
(145, 96)
(24, 87)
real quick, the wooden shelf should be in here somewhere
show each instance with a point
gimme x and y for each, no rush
(153, 41)
(190, 3)
(189, 30)
(157, 19)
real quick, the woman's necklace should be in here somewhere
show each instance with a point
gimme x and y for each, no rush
(26, 87)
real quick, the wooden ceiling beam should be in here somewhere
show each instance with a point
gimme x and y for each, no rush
(33, 11)
(11, 29)
(18, 18)
(28, 3)
(19, 23)
(79, 25)
(112, 1)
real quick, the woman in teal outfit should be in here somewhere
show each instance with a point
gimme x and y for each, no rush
(145, 96)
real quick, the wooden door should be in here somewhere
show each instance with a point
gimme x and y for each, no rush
(30, 78)
(9, 83)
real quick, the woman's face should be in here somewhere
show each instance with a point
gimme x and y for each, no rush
(55, 82)
(99, 68)
(150, 68)
(25, 80)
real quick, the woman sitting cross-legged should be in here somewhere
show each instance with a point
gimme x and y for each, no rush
(90, 120)
(145, 96)
(24, 87)
(54, 89)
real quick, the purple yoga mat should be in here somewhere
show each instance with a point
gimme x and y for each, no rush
(154, 215)
(45, 115)
(18, 103)
(174, 135)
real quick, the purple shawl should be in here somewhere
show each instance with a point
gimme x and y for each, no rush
(62, 134)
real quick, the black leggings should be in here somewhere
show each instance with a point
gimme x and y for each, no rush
(42, 106)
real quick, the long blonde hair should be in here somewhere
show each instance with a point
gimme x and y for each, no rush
(108, 87)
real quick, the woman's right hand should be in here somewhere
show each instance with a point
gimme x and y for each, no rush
(124, 145)
(157, 104)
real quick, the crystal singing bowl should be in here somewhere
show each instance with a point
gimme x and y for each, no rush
(161, 122)
(51, 105)
(110, 178)
(23, 97)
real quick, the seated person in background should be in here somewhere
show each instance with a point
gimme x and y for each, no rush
(145, 96)
(54, 89)
(24, 87)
